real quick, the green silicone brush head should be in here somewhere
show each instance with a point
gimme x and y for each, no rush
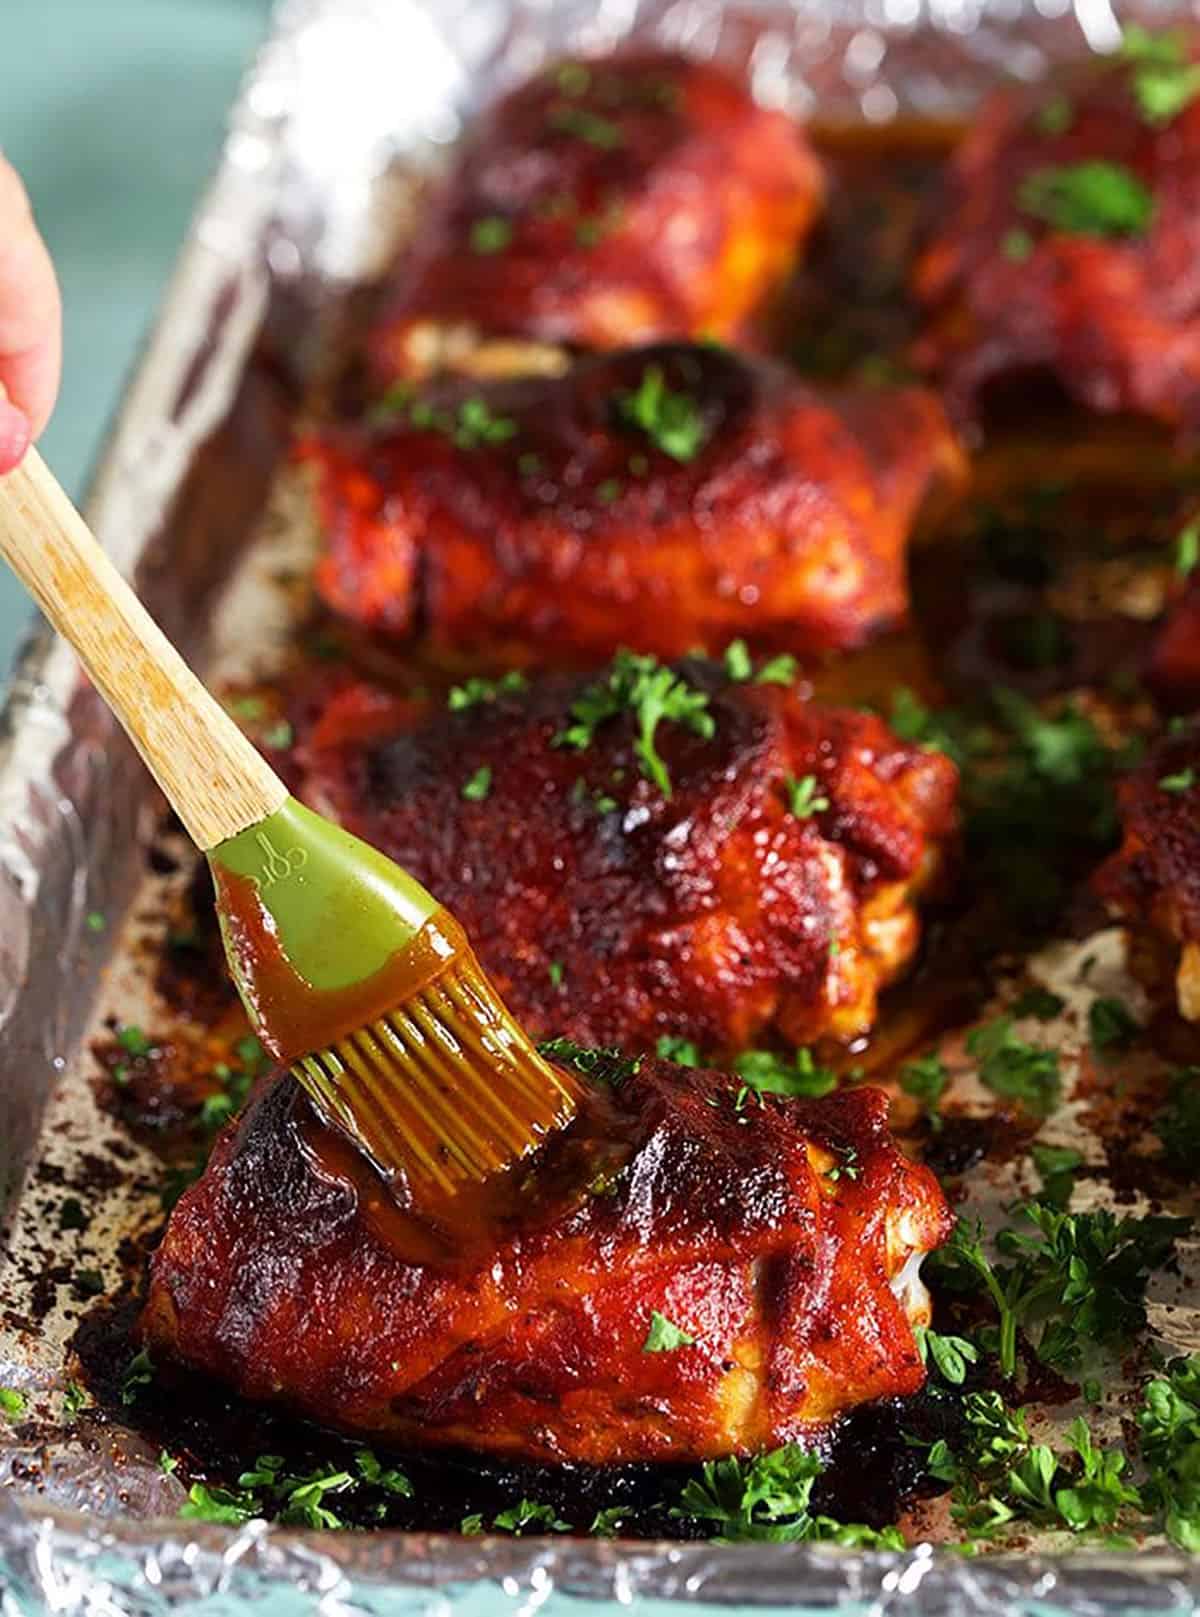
(357, 978)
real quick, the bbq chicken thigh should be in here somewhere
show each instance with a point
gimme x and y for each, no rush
(665, 498)
(602, 203)
(1153, 881)
(750, 863)
(781, 1242)
(1069, 240)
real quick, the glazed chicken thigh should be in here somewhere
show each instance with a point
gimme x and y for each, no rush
(1068, 239)
(757, 870)
(664, 498)
(781, 1243)
(600, 204)
(1152, 882)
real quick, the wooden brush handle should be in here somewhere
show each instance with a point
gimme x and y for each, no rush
(216, 782)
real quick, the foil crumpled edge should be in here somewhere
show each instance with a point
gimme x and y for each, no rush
(292, 199)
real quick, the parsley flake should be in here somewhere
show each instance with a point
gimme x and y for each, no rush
(1111, 1024)
(602, 1065)
(491, 234)
(654, 694)
(1012, 1067)
(925, 1079)
(672, 421)
(1178, 783)
(475, 690)
(804, 797)
(683, 1052)
(768, 1073)
(477, 788)
(12, 1402)
(1187, 549)
(1093, 198)
(664, 1336)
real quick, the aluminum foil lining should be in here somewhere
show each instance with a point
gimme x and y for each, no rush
(349, 103)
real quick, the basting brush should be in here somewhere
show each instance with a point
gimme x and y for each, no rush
(351, 973)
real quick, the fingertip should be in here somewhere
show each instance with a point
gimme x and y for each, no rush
(16, 435)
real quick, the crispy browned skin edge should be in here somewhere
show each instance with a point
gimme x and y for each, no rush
(575, 533)
(657, 200)
(1116, 321)
(1153, 880)
(281, 1279)
(1173, 667)
(608, 912)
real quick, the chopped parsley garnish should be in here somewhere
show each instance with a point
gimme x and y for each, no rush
(1057, 1167)
(779, 670)
(606, 1065)
(664, 1336)
(12, 1402)
(804, 797)
(573, 78)
(1187, 549)
(846, 1167)
(279, 735)
(738, 664)
(1017, 245)
(653, 694)
(556, 971)
(1001, 1476)
(475, 690)
(925, 1079)
(767, 1499)
(491, 234)
(226, 1506)
(476, 789)
(1163, 80)
(672, 421)
(134, 1040)
(528, 1516)
(951, 1355)
(1055, 115)
(1012, 1067)
(167, 1463)
(1083, 1276)
(95, 921)
(139, 1373)
(471, 1526)
(1039, 1003)
(1092, 198)
(1170, 1424)
(683, 1052)
(74, 1400)
(588, 126)
(477, 425)
(1178, 1124)
(1111, 1024)
(768, 1073)
(1178, 783)
(605, 1523)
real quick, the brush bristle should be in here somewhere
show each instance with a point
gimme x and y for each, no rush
(445, 1089)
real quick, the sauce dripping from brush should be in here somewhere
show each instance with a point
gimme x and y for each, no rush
(449, 1232)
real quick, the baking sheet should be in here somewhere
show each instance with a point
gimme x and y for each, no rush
(349, 104)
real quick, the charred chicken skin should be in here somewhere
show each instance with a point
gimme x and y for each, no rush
(1069, 240)
(1153, 881)
(771, 886)
(665, 498)
(602, 203)
(781, 1244)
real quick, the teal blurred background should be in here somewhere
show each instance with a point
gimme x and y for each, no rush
(113, 112)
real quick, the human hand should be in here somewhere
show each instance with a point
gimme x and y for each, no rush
(30, 324)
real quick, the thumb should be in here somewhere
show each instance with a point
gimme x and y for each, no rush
(30, 317)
